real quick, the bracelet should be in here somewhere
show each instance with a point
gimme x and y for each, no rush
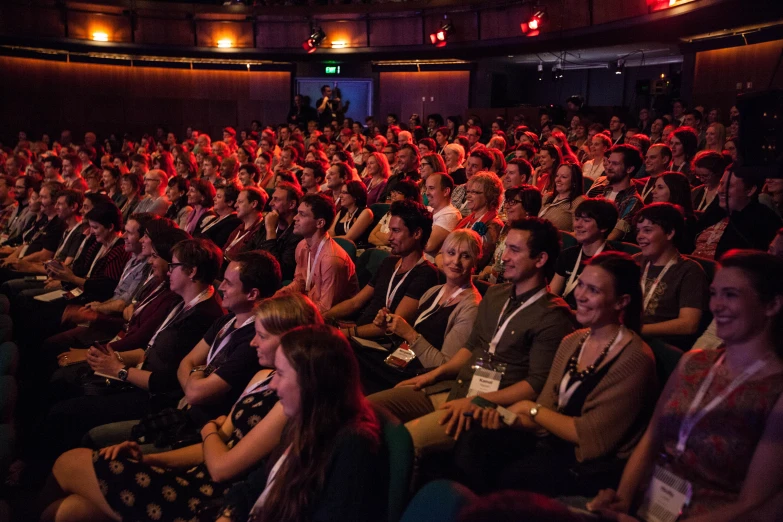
(208, 434)
(194, 370)
(119, 357)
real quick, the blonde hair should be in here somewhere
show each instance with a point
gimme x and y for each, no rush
(720, 134)
(283, 313)
(456, 147)
(493, 187)
(464, 237)
(383, 163)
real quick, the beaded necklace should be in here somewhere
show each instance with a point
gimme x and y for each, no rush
(572, 365)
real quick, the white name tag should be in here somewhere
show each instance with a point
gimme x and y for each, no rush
(484, 381)
(401, 357)
(666, 497)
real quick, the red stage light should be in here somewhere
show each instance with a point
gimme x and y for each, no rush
(439, 37)
(533, 25)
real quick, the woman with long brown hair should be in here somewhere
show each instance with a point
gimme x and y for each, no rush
(329, 465)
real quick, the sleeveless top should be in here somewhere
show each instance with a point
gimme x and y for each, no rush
(721, 446)
(433, 328)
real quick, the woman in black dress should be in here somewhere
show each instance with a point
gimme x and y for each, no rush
(120, 483)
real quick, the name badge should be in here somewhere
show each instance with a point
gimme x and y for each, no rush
(484, 381)
(666, 497)
(401, 357)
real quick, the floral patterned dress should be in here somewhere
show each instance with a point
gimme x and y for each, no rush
(140, 492)
(721, 446)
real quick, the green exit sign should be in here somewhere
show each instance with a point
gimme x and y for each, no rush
(332, 69)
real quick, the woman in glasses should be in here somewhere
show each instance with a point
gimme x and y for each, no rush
(483, 201)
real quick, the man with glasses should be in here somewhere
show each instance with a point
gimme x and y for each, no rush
(474, 135)
(154, 200)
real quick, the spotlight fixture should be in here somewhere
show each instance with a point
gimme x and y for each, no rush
(311, 44)
(225, 43)
(617, 67)
(439, 38)
(533, 26)
(540, 71)
(557, 71)
(100, 37)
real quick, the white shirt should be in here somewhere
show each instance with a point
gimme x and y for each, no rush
(447, 217)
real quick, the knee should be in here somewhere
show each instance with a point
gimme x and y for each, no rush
(71, 465)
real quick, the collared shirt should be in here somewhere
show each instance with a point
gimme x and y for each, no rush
(240, 238)
(529, 342)
(334, 274)
(152, 205)
(132, 276)
(628, 202)
(6, 213)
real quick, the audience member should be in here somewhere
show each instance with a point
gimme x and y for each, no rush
(558, 207)
(353, 219)
(617, 186)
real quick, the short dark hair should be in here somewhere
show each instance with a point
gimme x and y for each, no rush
(409, 190)
(56, 162)
(181, 183)
(252, 169)
(213, 160)
(415, 216)
(544, 237)
(72, 197)
(665, 149)
(108, 215)
(344, 170)
(113, 171)
(524, 166)
(257, 196)
(530, 196)
(293, 193)
(601, 210)
(139, 158)
(230, 192)
(201, 254)
(134, 179)
(632, 157)
(260, 270)
(144, 219)
(446, 181)
(667, 216)
(322, 207)
(689, 140)
(394, 146)
(317, 168)
(484, 155)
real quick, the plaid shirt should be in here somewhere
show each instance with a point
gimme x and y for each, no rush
(6, 213)
(628, 203)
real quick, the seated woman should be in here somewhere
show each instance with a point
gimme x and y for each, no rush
(559, 206)
(593, 407)
(183, 482)
(443, 322)
(675, 288)
(376, 174)
(130, 189)
(201, 198)
(717, 425)
(223, 221)
(483, 201)
(431, 163)
(674, 188)
(330, 464)
(708, 168)
(354, 218)
(179, 210)
(405, 189)
(264, 163)
(594, 220)
(519, 202)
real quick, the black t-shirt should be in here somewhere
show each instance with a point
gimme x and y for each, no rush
(48, 237)
(422, 277)
(565, 265)
(235, 363)
(459, 176)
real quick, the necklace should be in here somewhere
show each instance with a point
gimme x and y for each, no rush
(571, 367)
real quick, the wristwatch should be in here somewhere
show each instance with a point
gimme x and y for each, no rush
(534, 411)
(123, 374)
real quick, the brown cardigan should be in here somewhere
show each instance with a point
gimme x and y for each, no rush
(615, 414)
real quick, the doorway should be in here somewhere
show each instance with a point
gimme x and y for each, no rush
(357, 92)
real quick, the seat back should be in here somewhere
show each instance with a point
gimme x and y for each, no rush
(567, 239)
(438, 501)
(368, 263)
(666, 358)
(399, 445)
(628, 248)
(378, 211)
(348, 246)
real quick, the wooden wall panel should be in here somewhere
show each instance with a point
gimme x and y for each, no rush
(718, 72)
(605, 11)
(503, 23)
(396, 31)
(282, 35)
(30, 20)
(352, 32)
(209, 32)
(445, 92)
(157, 31)
(43, 96)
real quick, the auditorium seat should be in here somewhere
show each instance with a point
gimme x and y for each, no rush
(368, 263)
(349, 247)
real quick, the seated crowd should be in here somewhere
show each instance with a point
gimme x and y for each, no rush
(229, 330)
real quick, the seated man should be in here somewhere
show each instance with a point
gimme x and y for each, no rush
(401, 279)
(507, 358)
(324, 272)
(216, 371)
(250, 211)
(279, 238)
(154, 200)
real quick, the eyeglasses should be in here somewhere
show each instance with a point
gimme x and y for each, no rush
(173, 266)
(151, 179)
(512, 202)
(476, 192)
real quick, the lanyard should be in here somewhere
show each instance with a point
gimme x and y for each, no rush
(81, 247)
(391, 293)
(347, 224)
(568, 388)
(571, 284)
(311, 268)
(65, 240)
(645, 193)
(203, 296)
(259, 503)
(213, 350)
(256, 386)
(240, 237)
(703, 204)
(692, 417)
(214, 222)
(435, 306)
(129, 266)
(648, 295)
(500, 329)
(102, 252)
(147, 300)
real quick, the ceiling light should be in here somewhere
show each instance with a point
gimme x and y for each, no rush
(316, 38)
(100, 37)
(225, 43)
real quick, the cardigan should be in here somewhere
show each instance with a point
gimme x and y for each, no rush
(615, 414)
(458, 329)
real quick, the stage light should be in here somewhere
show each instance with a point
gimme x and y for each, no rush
(100, 37)
(533, 26)
(440, 37)
(339, 44)
(225, 43)
(311, 44)
(540, 71)
(617, 67)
